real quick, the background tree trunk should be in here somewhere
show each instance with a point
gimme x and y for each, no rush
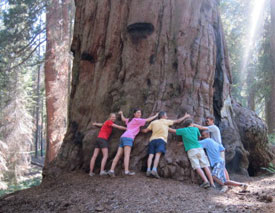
(270, 106)
(251, 90)
(56, 74)
(42, 129)
(158, 55)
(37, 114)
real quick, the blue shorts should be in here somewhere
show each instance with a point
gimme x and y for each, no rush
(126, 142)
(218, 171)
(157, 145)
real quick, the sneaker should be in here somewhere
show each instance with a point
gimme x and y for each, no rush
(91, 174)
(155, 174)
(148, 173)
(130, 173)
(205, 185)
(103, 173)
(111, 173)
(224, 188)
(244, 187)
(213, 186)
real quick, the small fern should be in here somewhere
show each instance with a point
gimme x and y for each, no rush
(270, 168)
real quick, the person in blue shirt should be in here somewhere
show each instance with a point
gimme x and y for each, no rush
(213, 150)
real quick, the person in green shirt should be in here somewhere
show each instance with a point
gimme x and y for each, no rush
(195, 152)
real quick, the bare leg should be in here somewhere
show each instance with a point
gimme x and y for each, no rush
(117, 157)
(218, 180)
(149, 161)
(209, 176)
(127, 152)
(104, 158)
(228, 182)
(92, 163)
(226, 174)
(201, 174)
(233, 183)
(156, 161)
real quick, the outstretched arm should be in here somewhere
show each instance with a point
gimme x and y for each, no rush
(151, 118)
(172, 130)
(182, 118)
(122, 116)
(119, 127)
(200, 127)
(145, 130)
(97, 124)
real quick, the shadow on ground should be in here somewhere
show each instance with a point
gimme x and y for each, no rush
(78, 192)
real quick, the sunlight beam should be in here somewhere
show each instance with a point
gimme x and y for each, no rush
(256, 13)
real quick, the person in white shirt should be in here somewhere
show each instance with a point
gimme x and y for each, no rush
(214, 131)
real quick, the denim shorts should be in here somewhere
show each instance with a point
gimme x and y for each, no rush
(157, 145)
(101, 143)
(126, 142)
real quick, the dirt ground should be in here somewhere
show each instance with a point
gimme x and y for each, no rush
(78, 192)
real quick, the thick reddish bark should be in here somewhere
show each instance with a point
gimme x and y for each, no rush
(56, 74)
(157, 55)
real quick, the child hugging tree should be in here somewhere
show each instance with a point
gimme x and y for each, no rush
(102, 142)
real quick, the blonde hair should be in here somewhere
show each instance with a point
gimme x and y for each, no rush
(112, 113)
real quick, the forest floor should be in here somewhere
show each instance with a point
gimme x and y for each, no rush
(78, 192)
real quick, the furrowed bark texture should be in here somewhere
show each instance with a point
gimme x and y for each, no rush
(156, 55)
(57, 65)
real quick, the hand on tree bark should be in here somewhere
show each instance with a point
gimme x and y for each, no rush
(186, 115)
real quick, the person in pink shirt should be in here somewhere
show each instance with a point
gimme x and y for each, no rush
(127, 140)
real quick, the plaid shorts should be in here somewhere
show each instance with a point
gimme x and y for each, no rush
(218, 171)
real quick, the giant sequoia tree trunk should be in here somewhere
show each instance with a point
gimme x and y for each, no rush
(157, 55)
(57, 65)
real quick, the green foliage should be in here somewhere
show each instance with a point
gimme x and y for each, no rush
(234, 15)
(16, 128)
(270, 168)
(22, 185)
(255, 84)
(22, 33)
(20, 28)
(265, 63)
(271, 138)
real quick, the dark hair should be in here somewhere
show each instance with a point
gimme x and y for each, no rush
(210, 117)
(133, 112)
(161, 114)
(188, 122)
(205, 131)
